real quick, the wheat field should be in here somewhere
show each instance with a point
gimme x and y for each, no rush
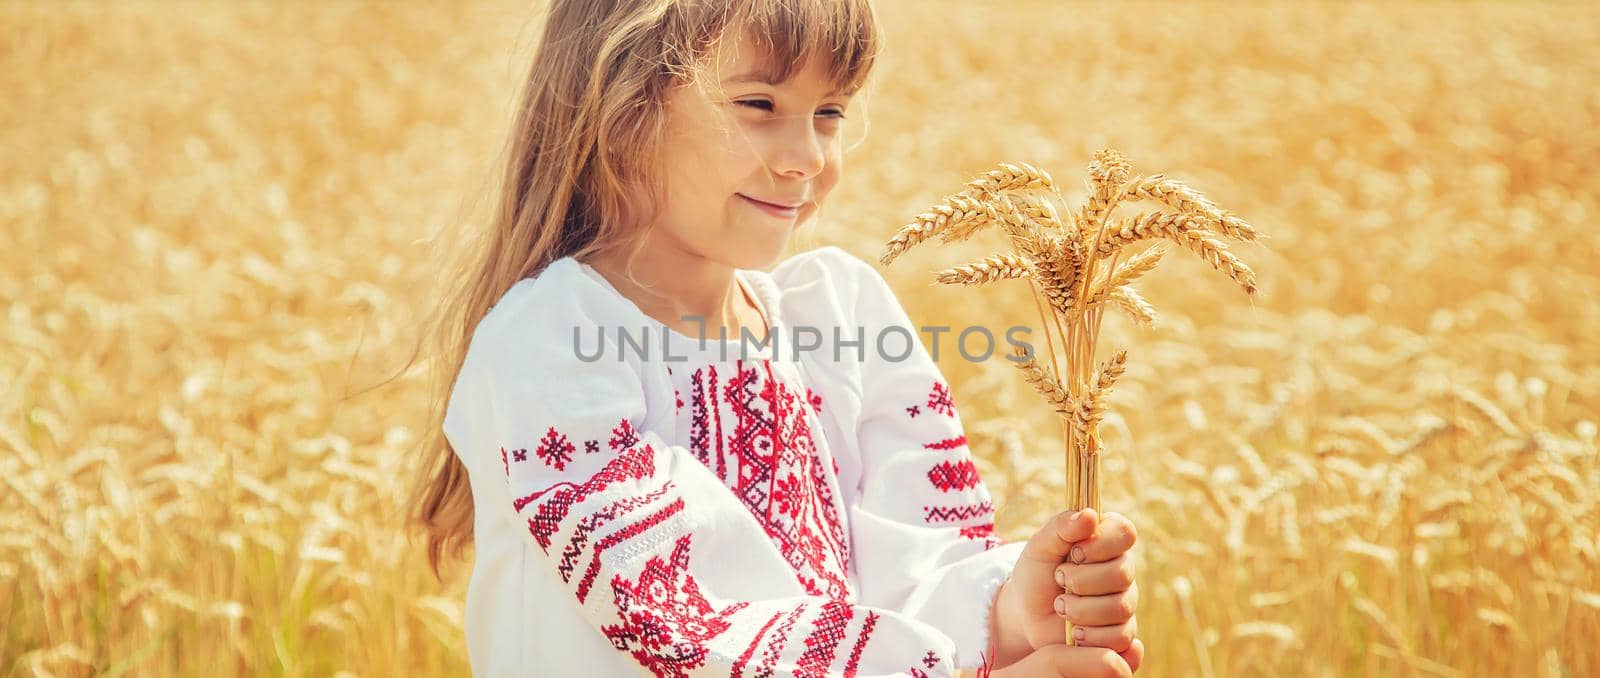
(219, 221)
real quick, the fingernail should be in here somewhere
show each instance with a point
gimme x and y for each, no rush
(1061, 605)
(1077, 554)
(1077, 632)
(1061, 579)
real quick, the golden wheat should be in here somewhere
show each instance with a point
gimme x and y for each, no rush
(1063, 258)
(197, 271)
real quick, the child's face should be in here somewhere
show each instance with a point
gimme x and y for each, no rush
(779, 143)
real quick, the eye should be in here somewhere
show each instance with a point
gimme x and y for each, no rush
(764, 105)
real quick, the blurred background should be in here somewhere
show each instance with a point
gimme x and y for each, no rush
(218, 219)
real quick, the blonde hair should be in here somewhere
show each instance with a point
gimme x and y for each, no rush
(582, 175)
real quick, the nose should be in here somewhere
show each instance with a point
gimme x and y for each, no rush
(799, 153)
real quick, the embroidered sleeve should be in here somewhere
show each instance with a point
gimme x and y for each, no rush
(657, 552)
(925, 518)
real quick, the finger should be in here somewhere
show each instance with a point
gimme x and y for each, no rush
(1097, 579)
(1115, 637)
(1052, 541)
(1112, 537)
(1078, 662)
(1134, 656)
(1098, 610)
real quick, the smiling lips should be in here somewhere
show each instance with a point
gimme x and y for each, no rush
(780, 204)
(775, 209)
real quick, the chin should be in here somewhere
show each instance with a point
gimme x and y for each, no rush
(759, 252)
(758, 256)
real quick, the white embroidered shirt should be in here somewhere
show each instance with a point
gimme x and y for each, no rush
(659, 506)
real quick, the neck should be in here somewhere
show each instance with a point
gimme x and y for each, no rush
(673, 284)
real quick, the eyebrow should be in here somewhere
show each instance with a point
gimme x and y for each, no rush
(766, 78)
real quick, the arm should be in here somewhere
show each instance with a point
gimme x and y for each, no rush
(924, 510)
(659, 554)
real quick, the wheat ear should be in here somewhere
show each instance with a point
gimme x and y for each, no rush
(1042, 382)
(1107, 173)
(1179, 196)
(956, 213)
(1010, 176)
(1093, 408)
(1129, 271)
(1185, 229)
(986, 270)
(1128, 299)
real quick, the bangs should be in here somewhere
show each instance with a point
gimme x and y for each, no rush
(789, 33)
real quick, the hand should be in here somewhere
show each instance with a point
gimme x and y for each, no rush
(1069, 662)
(1096, 587)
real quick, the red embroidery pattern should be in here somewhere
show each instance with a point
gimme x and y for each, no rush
(861, 641)
(947, 443)
(913, 411)
(636, 463)
(624, 435)
(950, 476)
(984, 532)
(750, 650)
(978, 531)
(827, 631)
(591, 446)
(776, 470)
(580, 536)
(620, 536)
(779, 637)
(956, 513)
(939, 400)
(554, 449)
(665, 620)
(703, 383)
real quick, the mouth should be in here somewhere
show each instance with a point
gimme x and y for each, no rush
(774, 209)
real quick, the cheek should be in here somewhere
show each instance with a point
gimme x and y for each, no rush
(829, 177)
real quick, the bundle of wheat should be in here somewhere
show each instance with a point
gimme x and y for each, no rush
(1073, 271)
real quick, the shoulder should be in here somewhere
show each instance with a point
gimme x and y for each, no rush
(535, 320)
(535, 347)
(831, 277)
(543, 294)
(830, 265)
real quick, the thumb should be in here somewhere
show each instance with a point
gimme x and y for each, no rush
(1050, 545)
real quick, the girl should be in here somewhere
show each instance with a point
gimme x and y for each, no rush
(651, 480)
